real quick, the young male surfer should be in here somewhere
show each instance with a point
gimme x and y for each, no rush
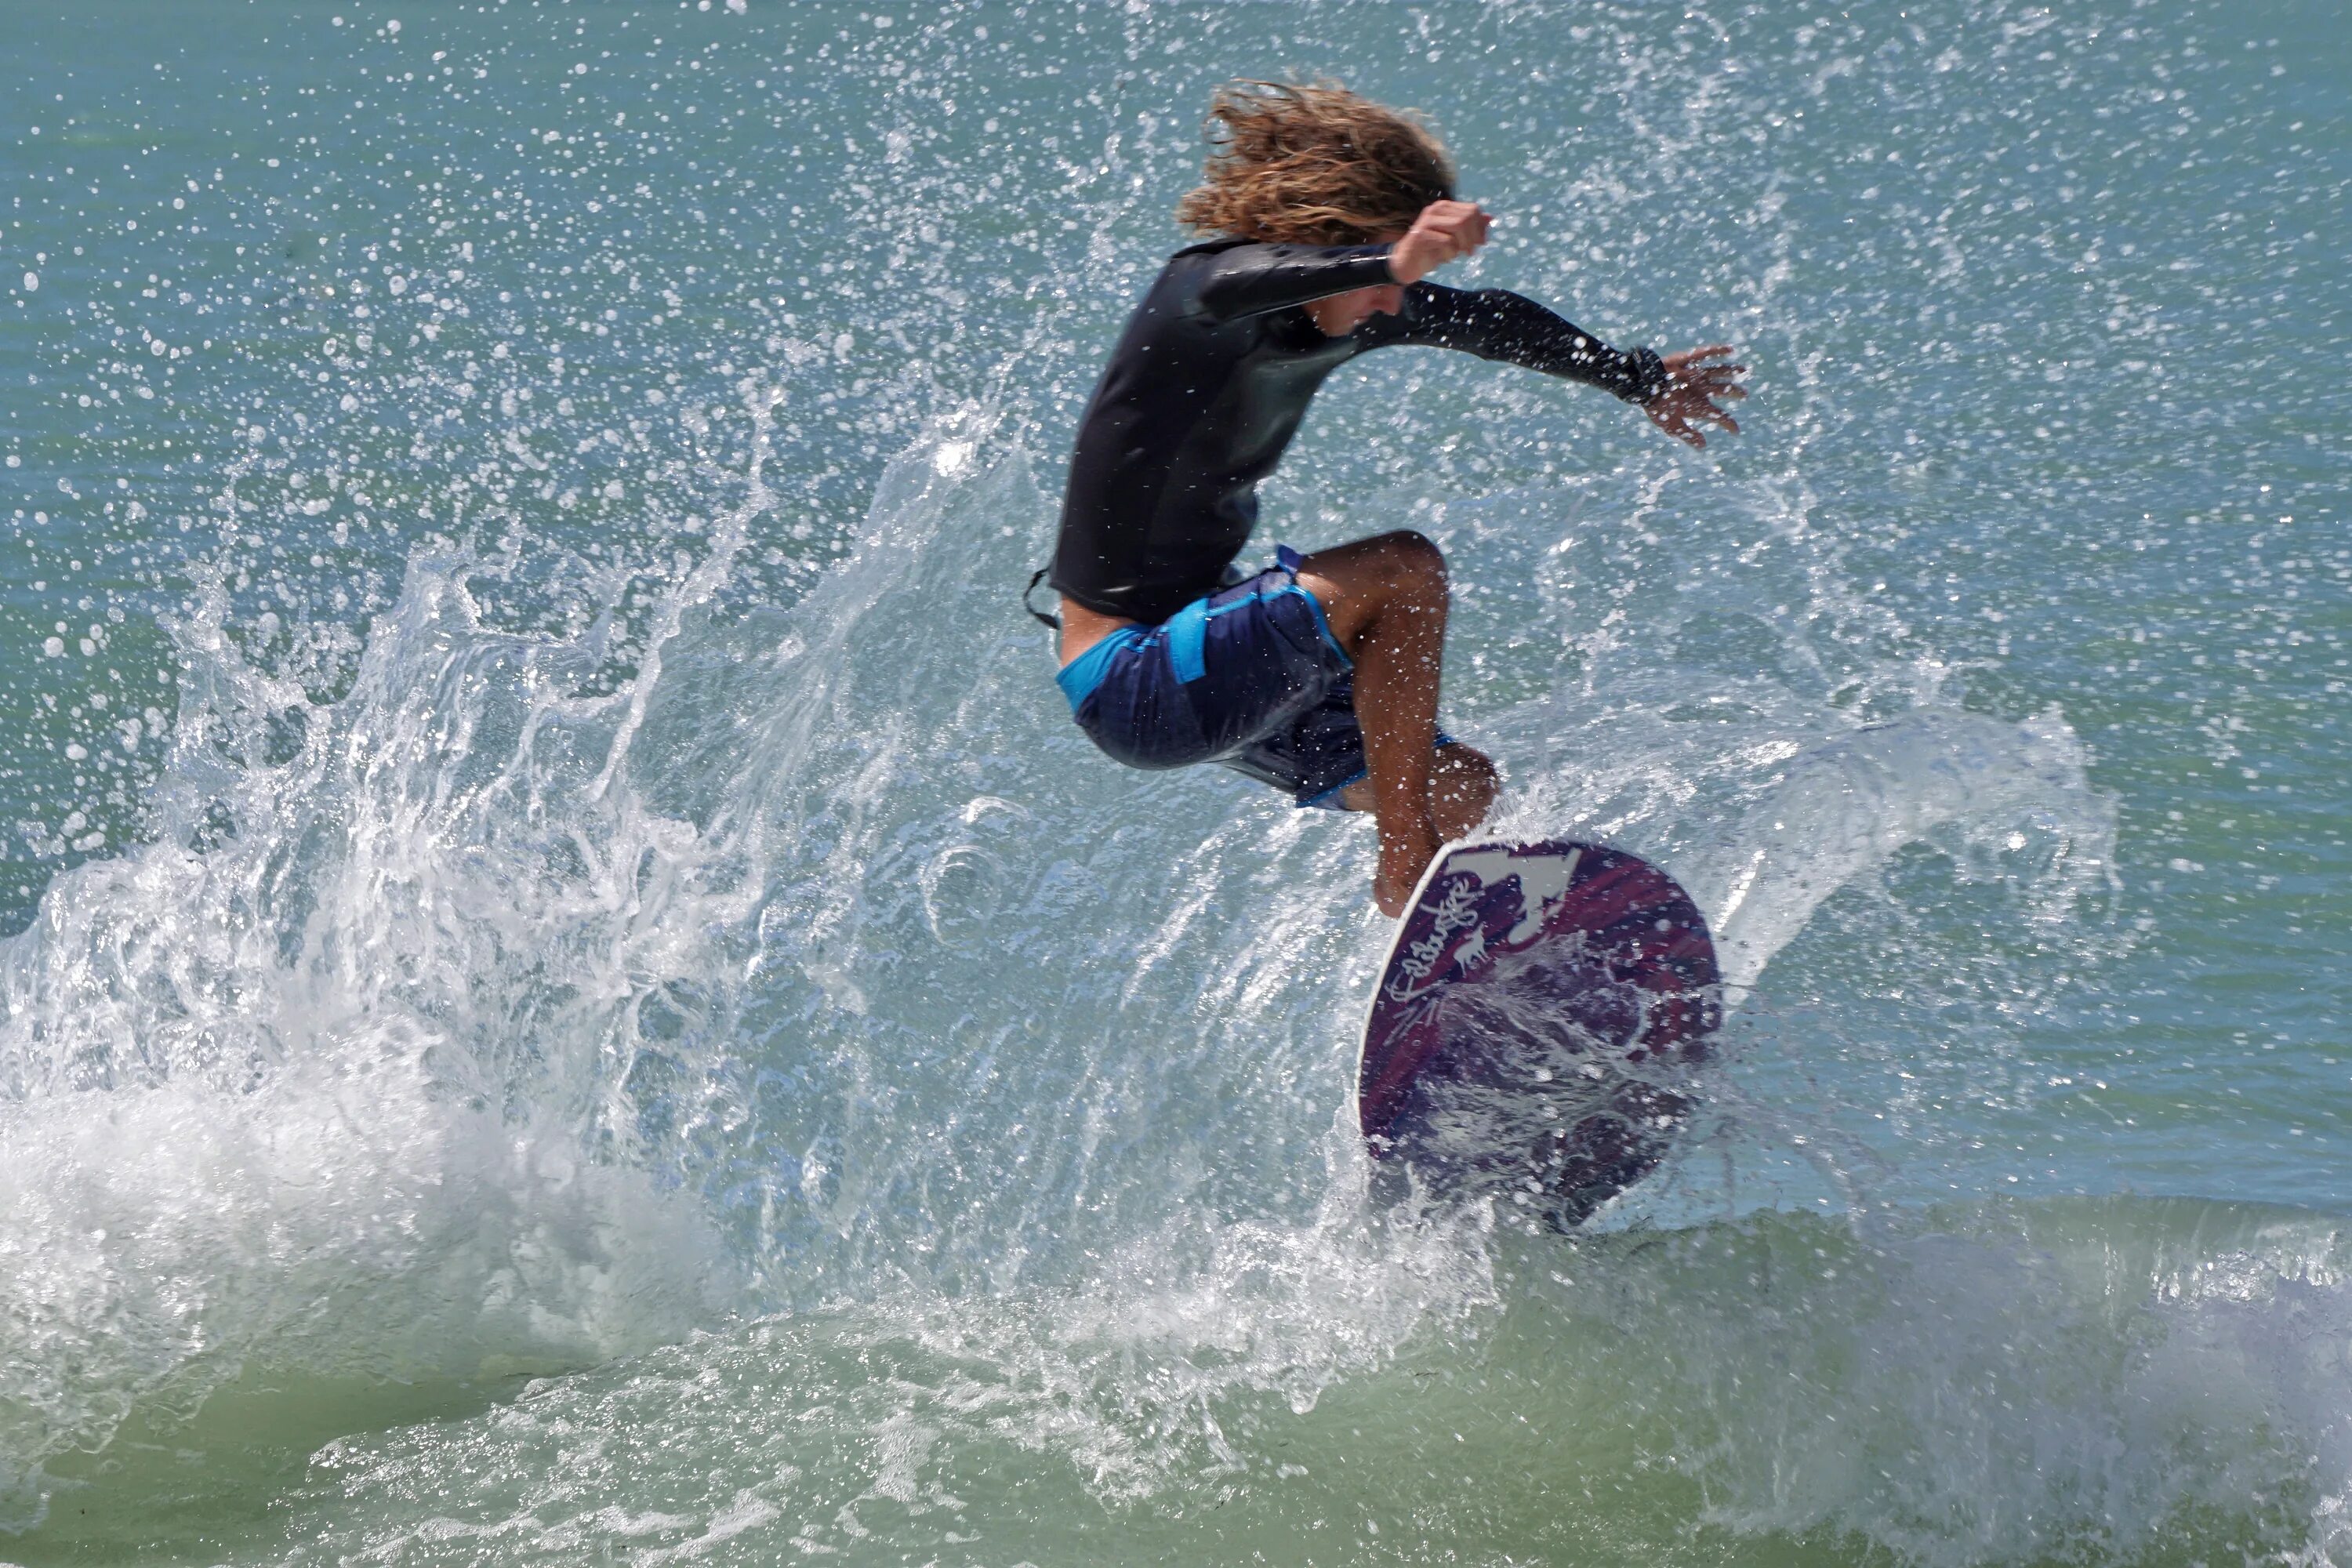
(1320, 675)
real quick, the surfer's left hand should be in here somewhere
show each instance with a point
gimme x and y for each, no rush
(1695, 379)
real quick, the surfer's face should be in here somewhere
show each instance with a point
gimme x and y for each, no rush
(1340, 314)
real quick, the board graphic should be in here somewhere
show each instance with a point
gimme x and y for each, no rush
(1541, 1007)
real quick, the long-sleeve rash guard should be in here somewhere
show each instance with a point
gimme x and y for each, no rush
(1209, 383)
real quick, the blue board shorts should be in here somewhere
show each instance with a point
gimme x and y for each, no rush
(1249, 677)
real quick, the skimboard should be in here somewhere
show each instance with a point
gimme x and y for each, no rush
(1535, 1027)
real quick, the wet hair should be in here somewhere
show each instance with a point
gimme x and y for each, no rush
(1313, 164)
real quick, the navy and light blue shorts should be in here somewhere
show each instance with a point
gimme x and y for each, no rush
(1249, 677)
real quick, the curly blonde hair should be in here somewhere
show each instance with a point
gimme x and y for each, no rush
(1313, 164)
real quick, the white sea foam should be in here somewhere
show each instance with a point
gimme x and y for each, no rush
(331, 1076)
(487, 1018)
(1997, 1384)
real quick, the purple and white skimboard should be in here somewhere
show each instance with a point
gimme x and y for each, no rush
(1540, 1007)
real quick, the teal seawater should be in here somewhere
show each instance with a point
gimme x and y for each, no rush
(574, 997)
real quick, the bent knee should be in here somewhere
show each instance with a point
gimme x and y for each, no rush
(1414, 554)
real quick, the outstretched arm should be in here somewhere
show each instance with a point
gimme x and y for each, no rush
(1496, 324)
(1675, 390)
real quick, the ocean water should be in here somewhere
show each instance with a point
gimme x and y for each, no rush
(572, 995)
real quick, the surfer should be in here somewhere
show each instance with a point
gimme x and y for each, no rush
(1320, 675)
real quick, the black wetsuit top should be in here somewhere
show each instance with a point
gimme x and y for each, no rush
(1209, 383)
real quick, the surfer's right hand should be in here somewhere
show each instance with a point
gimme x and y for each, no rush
(1445, 231)
(1695, 379)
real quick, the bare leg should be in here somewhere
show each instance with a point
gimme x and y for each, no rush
(1461, 787)
(1463, 784)
(1385, 599)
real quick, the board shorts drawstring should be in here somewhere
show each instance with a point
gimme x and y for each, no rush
(1034, 578)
